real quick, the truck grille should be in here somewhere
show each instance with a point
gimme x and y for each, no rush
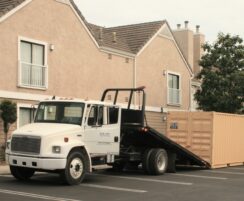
(26, 144)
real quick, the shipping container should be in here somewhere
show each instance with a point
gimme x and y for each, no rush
(218, 138)
(156, 120)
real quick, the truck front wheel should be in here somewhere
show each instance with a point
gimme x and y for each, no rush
(76, 168)
(158, 162)
(21, 173)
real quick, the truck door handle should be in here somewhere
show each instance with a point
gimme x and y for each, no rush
(116, 139)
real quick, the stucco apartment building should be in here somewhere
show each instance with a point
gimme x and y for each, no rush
(47, 48)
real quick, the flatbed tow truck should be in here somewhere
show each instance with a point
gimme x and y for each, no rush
(70, 137)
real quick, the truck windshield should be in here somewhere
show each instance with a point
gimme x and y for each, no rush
(60, 112)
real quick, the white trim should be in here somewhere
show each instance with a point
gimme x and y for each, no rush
(23, 96)
(22, 38)
(166, 32)
(63, 1)
(176, 110)
(82, 22)
(180, 89)
(13, 11)
(153, 109)
(195, 83)
(117, 52)
(162, 109)
(151, 39)
(167, 37)
(45, 44)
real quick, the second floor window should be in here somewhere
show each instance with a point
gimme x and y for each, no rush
(174, 89)
(32, 65)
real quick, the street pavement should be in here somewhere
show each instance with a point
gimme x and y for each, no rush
(225, 184)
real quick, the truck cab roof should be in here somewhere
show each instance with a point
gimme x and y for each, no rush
(93, 102)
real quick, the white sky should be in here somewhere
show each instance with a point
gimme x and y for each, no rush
(212, 15)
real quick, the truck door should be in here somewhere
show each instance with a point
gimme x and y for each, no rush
(102, 129)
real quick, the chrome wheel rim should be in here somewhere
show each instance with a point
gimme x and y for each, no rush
(161, 163)
(76, 168)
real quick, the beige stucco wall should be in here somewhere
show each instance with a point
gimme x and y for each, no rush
(76, 67)
(184, 38)
(159, 56)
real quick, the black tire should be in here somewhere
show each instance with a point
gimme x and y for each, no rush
(145, 160)
(21, 173)
(158, 162)
(76, 168)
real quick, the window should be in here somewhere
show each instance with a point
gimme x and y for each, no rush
(95, 117)
(25, 115)
(60, 112)
(33, 71)
(113, 115)
(174, 89)
(103, 115)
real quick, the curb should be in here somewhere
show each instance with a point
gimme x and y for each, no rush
(4, 169)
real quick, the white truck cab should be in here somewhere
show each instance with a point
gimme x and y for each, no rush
(66, 133)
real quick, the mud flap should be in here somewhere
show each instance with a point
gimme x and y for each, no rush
(171, 162)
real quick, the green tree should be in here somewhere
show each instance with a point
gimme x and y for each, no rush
(222, 75)
(8, 114)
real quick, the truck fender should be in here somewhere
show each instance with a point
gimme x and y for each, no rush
(81, 147)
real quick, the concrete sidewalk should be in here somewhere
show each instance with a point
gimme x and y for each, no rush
(4, 169)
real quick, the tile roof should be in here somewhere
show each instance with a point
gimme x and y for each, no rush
(8, 5)
(129, 38)
(105, 38)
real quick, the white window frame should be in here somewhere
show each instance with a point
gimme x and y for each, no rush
(23, 105)
(21, 38)
(180, 90)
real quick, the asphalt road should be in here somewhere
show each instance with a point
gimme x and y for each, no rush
(226, 184)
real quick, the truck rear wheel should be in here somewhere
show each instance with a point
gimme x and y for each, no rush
(21, 173)
(76, 168)
(145, 160)
(158, 162)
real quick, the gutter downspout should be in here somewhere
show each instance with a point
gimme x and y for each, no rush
(134, 79)
(190, 94)
(134, 73)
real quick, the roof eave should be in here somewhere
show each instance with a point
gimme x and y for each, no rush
(117, 52)
(141, 49)
(14, 10)
(82, 21)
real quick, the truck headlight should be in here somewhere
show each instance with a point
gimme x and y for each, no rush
(56, 149)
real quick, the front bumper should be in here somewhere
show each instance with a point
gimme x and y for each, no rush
(36, 163)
